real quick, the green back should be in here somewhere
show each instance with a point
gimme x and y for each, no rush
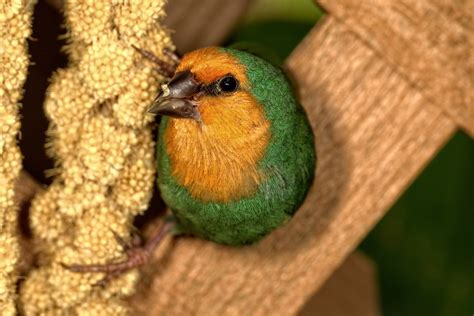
(288, 163)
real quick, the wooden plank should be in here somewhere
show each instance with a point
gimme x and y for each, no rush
(197, 24)
(374, 130)
(351, 290)
(430, 42)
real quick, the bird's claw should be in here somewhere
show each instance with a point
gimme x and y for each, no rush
(135, 242)
(166, 67)
(136, 256)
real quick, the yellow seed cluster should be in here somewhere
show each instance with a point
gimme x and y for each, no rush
(15, 27)
(101, 140)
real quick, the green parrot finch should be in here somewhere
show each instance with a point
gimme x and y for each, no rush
(235, 151)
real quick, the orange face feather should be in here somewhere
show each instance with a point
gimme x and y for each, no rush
(218, 160)
(209, 64)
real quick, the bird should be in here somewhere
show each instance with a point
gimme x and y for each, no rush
(235, 154)
(235, 150)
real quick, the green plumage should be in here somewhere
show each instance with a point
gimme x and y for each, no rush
(288, 163)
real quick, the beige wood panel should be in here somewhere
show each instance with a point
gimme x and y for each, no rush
(197, 24)
(351, 290)
(430, 42)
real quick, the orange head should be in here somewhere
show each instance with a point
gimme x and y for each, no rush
(217, 131)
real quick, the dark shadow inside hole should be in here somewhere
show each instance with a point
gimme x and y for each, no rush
(44, 47)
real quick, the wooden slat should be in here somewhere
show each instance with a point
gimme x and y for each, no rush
(431, 42)
(374, 130)
(197, 24)
(351, 290)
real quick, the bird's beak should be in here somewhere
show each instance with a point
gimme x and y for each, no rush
(177, 97)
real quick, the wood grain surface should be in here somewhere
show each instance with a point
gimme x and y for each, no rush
(430, 42)
(375, 131)
(351, 290)
(197, 24)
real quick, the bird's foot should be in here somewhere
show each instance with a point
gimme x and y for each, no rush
(136, 256)
(166, 67)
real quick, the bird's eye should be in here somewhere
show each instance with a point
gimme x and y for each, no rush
(228, 84)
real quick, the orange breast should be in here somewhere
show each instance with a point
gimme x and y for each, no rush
(218, 161)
